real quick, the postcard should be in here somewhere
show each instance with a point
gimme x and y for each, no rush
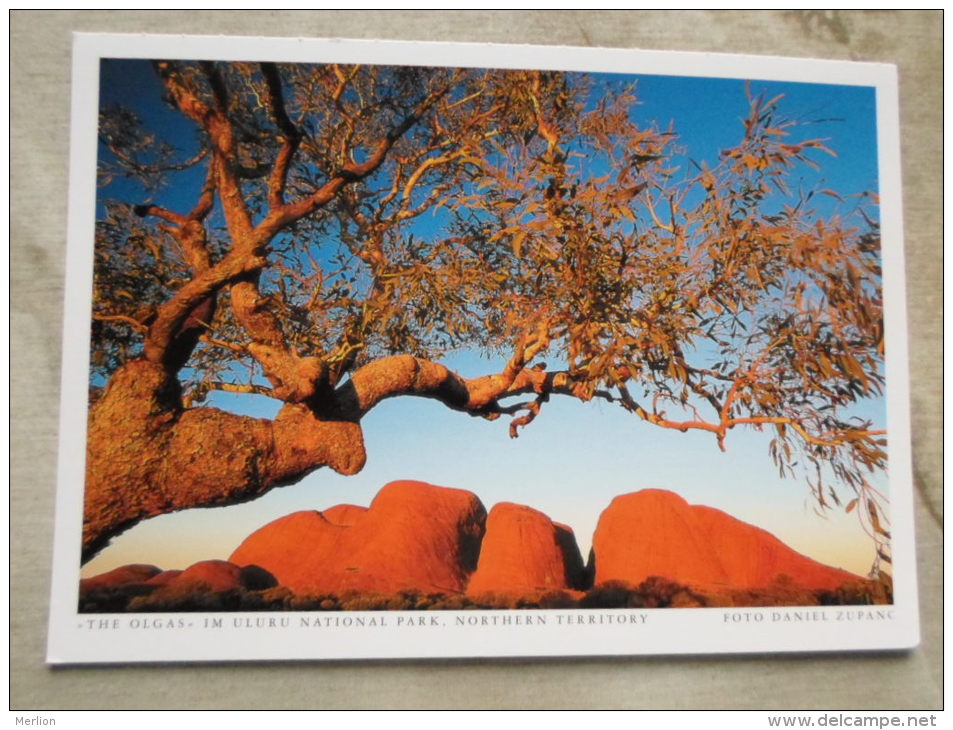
(388, 349)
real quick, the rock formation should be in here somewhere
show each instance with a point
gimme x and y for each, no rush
(164, 578)
(414, 536)
(436, 540)
(213, 575)
(123, 575)
(657, 533)
(524, 552)
(210, 575)
(344, 514)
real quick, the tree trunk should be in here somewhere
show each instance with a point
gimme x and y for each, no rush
(147, 455)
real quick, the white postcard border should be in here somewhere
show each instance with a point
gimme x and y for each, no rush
(85, 638)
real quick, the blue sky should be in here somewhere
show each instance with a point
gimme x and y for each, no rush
(573, 459)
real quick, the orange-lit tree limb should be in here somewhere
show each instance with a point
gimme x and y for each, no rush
(284, 215)
(288, 133)
(294, 378)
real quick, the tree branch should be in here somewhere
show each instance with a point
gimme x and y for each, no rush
(215, 121)
(823, 440)
(408, 375)
(173, 314)
(284, 215)
(176, 219)
(288, 133)
(660, 420)
(174, 345)
(207, 198)
(294, 378)
(131, 321)
(244, 388)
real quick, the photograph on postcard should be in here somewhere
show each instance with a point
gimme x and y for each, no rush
(403, 342)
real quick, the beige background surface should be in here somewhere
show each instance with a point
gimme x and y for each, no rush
(40, 67)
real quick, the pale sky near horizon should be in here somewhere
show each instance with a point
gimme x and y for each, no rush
(575, 457)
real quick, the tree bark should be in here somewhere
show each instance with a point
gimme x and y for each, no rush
(147, 455)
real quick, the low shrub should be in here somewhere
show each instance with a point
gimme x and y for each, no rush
(611, 594)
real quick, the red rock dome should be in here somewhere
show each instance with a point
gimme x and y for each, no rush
(344, 514)
(163, 578)
(216, 575)
(657, 533)
(414, 536)
(524, 552)
(123, 575)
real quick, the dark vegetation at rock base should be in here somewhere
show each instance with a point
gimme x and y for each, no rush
(654, 592)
